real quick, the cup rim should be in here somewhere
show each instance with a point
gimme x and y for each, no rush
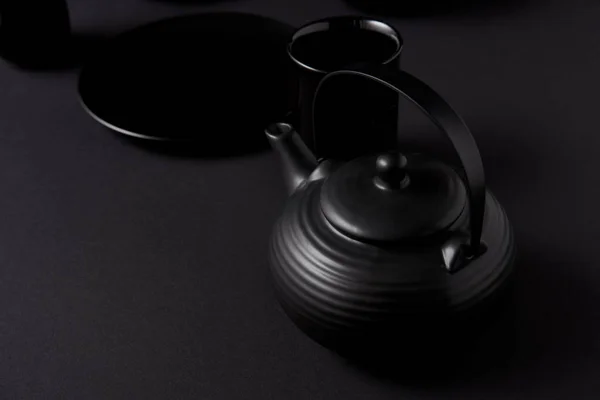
(361, 22)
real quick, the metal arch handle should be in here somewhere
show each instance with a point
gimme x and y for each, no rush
(447, 120)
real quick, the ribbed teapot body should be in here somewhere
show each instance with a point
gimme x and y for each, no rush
(339, 290)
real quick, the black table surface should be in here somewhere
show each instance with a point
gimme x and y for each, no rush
(131, 274)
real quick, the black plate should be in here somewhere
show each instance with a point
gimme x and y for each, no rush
(215, 79)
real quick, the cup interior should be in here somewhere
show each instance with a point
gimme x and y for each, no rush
(331, 44)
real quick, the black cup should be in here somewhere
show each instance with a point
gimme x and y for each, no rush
(346, 129)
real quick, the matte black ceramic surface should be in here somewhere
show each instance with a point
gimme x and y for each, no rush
(388, 249)
(193, 78)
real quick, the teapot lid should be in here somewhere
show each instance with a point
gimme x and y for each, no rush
(392, 197)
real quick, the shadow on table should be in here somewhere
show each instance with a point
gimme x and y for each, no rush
(214, 147)
(425, 8)
(544, 330)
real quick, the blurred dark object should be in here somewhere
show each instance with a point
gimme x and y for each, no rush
(206, 83)
(183, 2)
(413, 7)
(34, 33)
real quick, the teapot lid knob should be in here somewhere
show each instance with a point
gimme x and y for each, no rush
(392, 197)
(391, 171)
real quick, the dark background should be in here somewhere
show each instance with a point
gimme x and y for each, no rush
(129, 274)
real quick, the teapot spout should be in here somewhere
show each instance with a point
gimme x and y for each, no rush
(297, 160)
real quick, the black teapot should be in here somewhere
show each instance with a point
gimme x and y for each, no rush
(388, 249)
